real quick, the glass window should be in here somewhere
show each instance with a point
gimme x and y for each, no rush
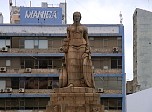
(36, 43)
(15, 82)
(105, 43)
(108, 83)
(29, 44)
(29, 63)
(119, 42)
(8, 43)
(8, 62)
(112, 103)
(43, 83)
(22, 83)
(31, 83)
(116, 62)
(2, 43)
(43, 44)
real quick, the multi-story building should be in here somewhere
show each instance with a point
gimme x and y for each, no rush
(142, 33)
(30, 64)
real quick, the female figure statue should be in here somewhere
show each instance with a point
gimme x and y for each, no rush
(77, 68)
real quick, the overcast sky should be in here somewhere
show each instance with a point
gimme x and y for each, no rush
(96, 12)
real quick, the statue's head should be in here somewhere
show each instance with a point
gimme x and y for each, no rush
(76, 16)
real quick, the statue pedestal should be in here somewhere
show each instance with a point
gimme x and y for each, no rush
(74, 99)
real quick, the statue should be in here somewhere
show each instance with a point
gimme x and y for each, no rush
(77, 92)
(77, 64)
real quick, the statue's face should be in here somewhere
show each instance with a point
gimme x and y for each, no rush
(77, 17)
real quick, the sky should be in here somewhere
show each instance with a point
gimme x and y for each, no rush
(95, 12)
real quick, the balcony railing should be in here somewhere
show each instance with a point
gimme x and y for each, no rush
(108, 71)
(47, 91)
(112, 92)
(16, 50)
(54, 71)
(38, 91)
(55, 50)
(105, 50)
(31, 71)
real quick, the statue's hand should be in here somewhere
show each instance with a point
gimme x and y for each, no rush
(63, 49)
(88, 49)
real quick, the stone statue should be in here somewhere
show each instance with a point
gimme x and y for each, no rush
(77, 92)
(77, 64)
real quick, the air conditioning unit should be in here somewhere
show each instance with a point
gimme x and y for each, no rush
(53, 70)
(105, 67)
(2, 90)
(28, 70)
(100, 90)
(4, 49)
(95, 50)
(3, 69)
(115, 49)
(8, 90)
(21, 90)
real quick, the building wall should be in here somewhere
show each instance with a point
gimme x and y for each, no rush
(108, 62)
(142, 49)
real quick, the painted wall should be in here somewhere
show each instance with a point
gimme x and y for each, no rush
(143, 48)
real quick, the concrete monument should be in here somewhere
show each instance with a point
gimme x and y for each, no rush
(77, 91)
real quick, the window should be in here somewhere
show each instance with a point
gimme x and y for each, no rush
(23, 103)
(105, 43)
(43, 44)
(8, 63)
(5, 43)
(119, 42)
(43, 63)
(43, 83)
(29, 63)
(15, 82)
(22, 82)
(116, 63)
(108, 83)
(112, 103)
(31, 44)
(31, 83)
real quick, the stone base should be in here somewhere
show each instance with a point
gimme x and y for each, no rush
(74, 99)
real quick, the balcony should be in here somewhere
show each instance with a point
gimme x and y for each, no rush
(55, 50)
(112, 92)
(34, 91)
(106, 50)
(108, 71)
(28, 72)
(53, 71)
(34, 51)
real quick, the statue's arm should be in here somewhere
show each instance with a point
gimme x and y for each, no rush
(68, 32)
(87, 40)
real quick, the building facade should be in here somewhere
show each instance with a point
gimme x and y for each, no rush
(30, 65)
(142, 40)
(30, 60)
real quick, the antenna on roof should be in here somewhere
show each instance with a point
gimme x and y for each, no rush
(15, 2)
(30, 3)
(120, 15)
